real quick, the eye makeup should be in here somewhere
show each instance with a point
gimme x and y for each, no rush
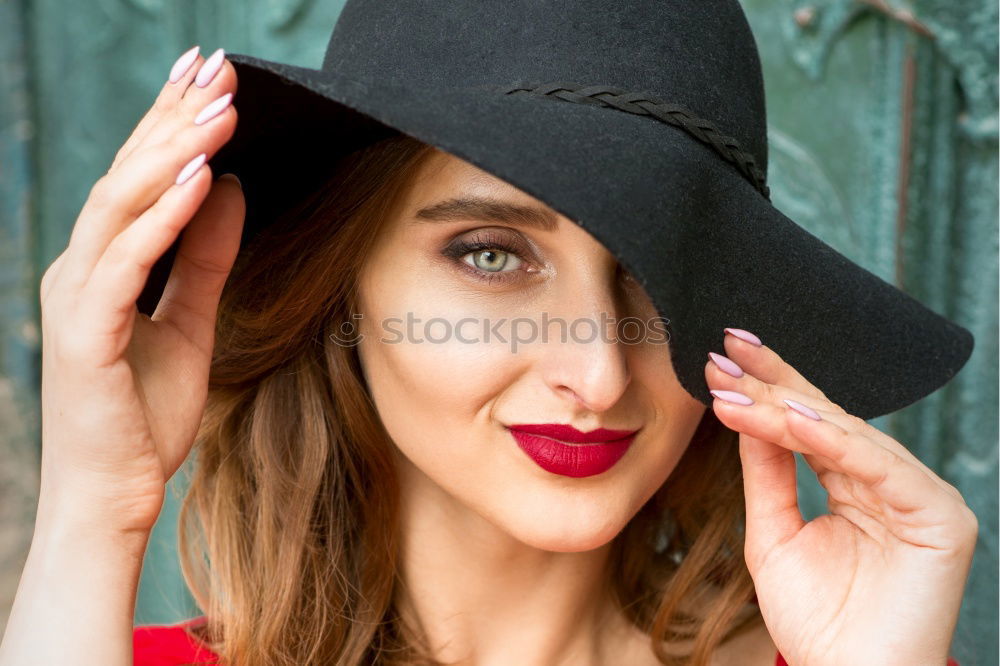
(489, 239)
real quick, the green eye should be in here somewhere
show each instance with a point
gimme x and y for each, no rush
(493, 260)
(491, 257)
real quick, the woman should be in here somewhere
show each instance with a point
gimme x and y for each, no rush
(376, 483)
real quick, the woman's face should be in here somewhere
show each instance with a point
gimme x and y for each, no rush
(449, 369)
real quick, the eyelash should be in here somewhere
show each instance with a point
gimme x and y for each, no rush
(484, 242)
(460, 249)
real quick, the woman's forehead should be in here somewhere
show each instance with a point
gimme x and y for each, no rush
(445, 175)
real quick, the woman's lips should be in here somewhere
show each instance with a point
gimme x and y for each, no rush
(576, 459)
(569, 434)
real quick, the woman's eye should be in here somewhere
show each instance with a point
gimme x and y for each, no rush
(493, 260)
(492, 256)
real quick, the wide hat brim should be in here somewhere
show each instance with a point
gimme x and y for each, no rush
(709, 249)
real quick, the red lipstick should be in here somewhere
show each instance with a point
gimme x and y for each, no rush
(562, 449)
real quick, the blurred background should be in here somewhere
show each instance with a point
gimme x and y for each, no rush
(882, 121)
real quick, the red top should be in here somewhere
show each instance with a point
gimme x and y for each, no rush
(171, 646)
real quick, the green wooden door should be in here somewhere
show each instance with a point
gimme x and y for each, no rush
(882, 119)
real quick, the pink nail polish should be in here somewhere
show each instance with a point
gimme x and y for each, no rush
(189, 169)
(183, 64)
(726, 364)
(210, 68)
(732, 396)
(213, 109)
(802, 409)
(744, 335)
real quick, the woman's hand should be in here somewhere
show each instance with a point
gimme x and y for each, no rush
(123, 393)
(878, 580)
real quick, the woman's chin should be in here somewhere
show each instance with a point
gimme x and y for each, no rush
(569, 529)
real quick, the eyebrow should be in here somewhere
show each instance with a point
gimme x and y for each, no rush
(490, 210)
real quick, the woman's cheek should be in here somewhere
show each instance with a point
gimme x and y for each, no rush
(428, 376)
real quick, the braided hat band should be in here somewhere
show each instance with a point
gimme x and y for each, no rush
(644, 104)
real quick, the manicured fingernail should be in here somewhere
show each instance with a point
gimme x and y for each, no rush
(744, 335)
(189, 169)
(183, 64)
(210, 68)
(802, 409)
(213, 109)
(732, 396)
(726, 364)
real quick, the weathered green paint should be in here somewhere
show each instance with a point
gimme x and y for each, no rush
(883, 142)
(19, 335)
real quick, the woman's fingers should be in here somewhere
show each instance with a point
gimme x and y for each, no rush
(201, 94)
(180, 76)
(204, 258)
(855, 501)
(761, 390)
(900, 495)
(109, 296)
(148, 171)
(771, 493)
(896, 480)
(907, 493)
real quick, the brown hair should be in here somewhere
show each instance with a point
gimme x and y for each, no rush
(288, 532)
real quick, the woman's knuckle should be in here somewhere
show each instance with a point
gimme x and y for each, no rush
(162, 105)
(191, 137)
(119, 250)
(856, 422)
(172, 147)
(970, 519)
(770, 394)
(119, 156)
(964, 528)
(101, 195)
(44, 290)
(834, 407)
(47, 277)
(50, 275)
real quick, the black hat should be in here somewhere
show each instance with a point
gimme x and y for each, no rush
(644, 123)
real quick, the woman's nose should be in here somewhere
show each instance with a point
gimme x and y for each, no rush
(584, 359)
